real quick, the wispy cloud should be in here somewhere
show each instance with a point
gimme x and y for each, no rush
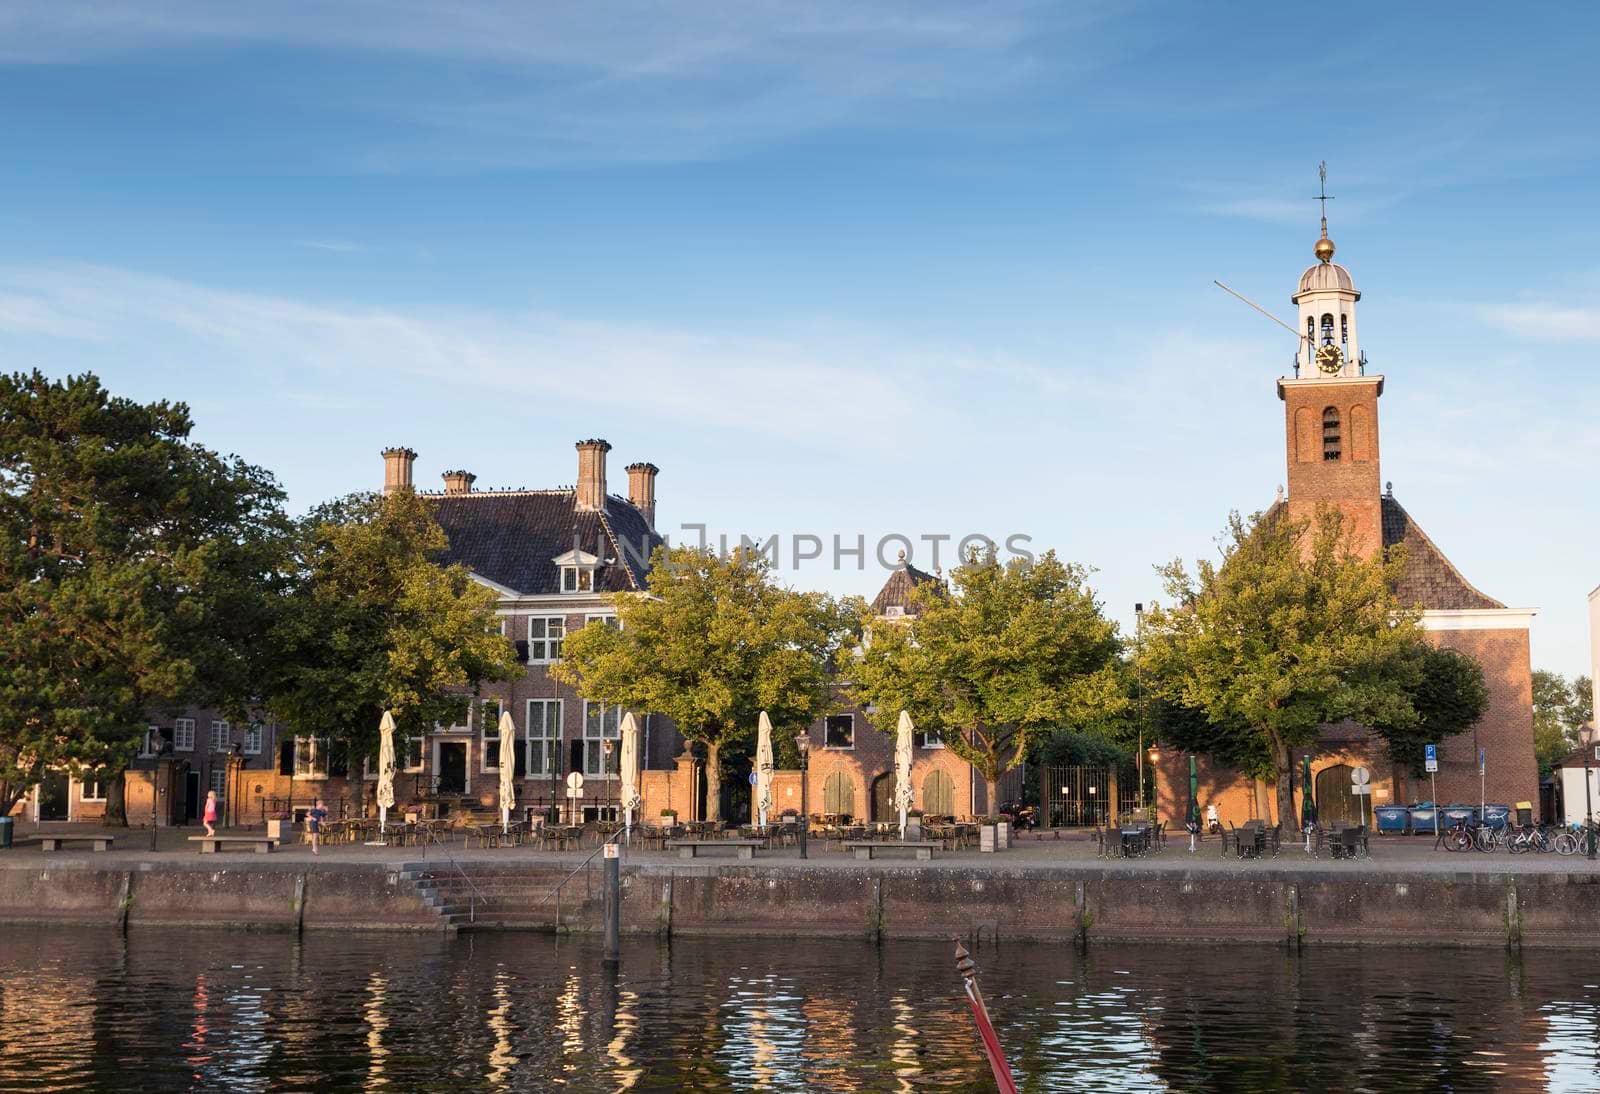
(560, 83)
(830, 389)
(1556, 322)
(337, 246)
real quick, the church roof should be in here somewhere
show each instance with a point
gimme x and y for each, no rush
(1326, 275)
(896, 592)
(513, 537)
(1430, 580)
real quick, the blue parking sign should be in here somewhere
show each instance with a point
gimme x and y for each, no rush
(1430, 752)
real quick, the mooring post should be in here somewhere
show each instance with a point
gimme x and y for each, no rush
(613, 903)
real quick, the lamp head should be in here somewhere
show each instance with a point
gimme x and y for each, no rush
(802, 741)
(1587, 734)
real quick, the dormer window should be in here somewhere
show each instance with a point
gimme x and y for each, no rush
(578, 571)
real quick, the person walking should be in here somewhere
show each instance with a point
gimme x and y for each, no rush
(209, 817)
(314, 818)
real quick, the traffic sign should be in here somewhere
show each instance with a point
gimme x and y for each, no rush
(1482, 756)
(575, 782)
(752, 778)
(1430, 758)
(1361, 788)
(1360, 776)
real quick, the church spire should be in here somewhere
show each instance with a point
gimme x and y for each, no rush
(1324, 248)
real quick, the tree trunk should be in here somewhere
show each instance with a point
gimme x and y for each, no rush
(992, 789)
(713, 782)
(1286, 813)
(117, 800)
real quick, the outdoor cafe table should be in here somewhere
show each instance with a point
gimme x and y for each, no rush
(1135, 840)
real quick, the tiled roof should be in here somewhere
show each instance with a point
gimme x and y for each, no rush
(896, 592)
(511, 537)
(1429, 579)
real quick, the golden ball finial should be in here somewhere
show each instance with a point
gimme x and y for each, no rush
(1324, 249)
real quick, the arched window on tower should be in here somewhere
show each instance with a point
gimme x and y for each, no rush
(1330, 433)
(1344, 333)
(1327, 329)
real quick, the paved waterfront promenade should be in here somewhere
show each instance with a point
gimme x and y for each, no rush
(1073, 851)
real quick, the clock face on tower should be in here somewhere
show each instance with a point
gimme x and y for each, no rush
(1329, 359)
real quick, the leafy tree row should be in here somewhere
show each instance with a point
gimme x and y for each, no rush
(141, 571)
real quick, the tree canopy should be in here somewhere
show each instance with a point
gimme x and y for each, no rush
(1448, 696)
(714, 643)
(1560, 707)
(1293, 629)
(1007, 654)
(376, 623)
(140, 569)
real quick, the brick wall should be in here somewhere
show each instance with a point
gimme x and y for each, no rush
(1506, 730)
(1352, 481)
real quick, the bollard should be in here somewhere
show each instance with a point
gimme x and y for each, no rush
(613, 903)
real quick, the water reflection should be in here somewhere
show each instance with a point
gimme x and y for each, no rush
(83, 1010)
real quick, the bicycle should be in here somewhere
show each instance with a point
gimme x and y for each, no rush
(1573, 840)
(1530, 838)
(1458, 837)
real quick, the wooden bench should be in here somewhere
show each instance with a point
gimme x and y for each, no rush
(871, 849)
(210, 845)
(53, 843)
(696, 848)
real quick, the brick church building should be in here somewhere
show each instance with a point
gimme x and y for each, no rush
(1332, 445)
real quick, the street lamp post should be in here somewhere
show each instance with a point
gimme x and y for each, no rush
(802, 741)
(1587, 735)
(1138, 633)
(1155, 758)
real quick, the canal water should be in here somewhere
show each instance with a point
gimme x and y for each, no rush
(222, 1010)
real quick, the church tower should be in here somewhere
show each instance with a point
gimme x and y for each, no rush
(1331, 404)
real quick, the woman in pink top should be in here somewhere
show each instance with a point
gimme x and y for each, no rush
(209, 817)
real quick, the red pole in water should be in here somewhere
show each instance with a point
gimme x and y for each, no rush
(980, 1015)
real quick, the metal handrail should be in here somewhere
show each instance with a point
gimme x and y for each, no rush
(473, 896)
(581, 868)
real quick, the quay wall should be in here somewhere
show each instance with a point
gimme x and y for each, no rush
(1295, 907)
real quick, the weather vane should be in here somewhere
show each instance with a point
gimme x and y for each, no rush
(1324, 197)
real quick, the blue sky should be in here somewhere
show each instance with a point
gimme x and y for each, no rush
(838, 268)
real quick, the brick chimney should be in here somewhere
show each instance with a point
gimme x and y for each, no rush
(459, 482)
(642, 489)
(397, 469)
(592, 474)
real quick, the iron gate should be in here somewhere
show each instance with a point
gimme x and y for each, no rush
(1079, 795)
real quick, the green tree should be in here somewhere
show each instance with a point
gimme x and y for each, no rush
(377, 623)
(713, 644)
(1291, 630)
(1560, 707)
(1448, 698)
(1006, 655)
(140, 569)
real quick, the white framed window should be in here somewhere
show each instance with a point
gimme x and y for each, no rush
(183, 734)
(608, 618)
(577, 579)
(927, 739)
(219, 782)
(500, 625)
(311, 757)
(489, 734)
(252, 739)
(219, 736)
(543, 736)
(411, 754)
(601, 723)
(839, 731)
(151, 742)
(91, 788)
(545, 633)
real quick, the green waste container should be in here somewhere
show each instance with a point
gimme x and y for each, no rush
(5, 831)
